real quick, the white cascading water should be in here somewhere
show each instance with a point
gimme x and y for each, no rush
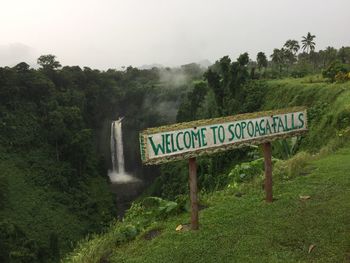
(114, 168)
(118, 175)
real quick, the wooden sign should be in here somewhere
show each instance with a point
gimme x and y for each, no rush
(190, 139)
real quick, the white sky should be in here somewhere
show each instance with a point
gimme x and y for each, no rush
(109, 34)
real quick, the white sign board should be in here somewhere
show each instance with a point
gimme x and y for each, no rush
(185, 140)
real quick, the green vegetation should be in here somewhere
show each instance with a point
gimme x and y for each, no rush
(54, 157)
(328, 106)
(328, 117)
(242, 227)
(54, 152)
(280, 232)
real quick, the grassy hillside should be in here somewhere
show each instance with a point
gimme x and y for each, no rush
(243, 228)
(328, 106)
(247, 229)
(238, 226)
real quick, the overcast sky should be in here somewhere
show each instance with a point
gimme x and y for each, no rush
(113, 33)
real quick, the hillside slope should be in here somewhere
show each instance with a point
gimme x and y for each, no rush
(328, 106)
(243, 228)
(238, 226)
(247, 229)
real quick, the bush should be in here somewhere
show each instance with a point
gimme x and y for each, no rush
(246, 171)
(342, 77)
(292, 167)
(15, 246)
(149, 209)
(333, 69)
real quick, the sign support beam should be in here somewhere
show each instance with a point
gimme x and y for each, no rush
(192, 165)
(268, 171)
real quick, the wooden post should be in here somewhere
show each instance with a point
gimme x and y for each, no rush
(268, 171)
(193, 192)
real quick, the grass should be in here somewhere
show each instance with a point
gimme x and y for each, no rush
(328, 106)
(247, 229)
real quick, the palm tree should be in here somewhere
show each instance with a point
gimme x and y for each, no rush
(308, 42)
(292, 45)
(277, 58)
(261, 60)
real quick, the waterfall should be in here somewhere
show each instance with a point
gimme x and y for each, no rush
(114, 168)
(118, 174)
(117, 149)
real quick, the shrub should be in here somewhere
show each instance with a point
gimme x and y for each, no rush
(292, 167)
(342, 77)
(150, 209)
(333, 69)
(246, 171)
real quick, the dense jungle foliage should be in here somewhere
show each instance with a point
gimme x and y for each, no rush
(54, 134)
(54, 139)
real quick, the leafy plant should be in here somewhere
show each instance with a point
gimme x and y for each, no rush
(285, 148)
(246, 171)
(334, 69)
(292, 167)
(150, 209)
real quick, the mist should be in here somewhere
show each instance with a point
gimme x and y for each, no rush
(112, 34)
(14, 53)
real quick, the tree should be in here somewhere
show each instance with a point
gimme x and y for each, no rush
(308, 43)
(213, 80)
(288, 57)
(328, 55)
(243, 59)
(48, 62)
(21, 67)
(188, 109)
(278, 58)
(225, 79)
(261, 60)
(333, 69)
(344, 54)
(292, 45)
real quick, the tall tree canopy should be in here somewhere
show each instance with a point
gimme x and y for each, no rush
(308, 42)
(292, 45)
(261, 60)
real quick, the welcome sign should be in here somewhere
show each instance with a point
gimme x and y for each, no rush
(190, 139)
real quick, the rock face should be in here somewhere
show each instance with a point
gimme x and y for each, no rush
(125, 194)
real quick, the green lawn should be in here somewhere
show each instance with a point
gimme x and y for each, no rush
(247, 229)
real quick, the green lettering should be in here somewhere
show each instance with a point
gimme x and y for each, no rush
(280, 124)
(251, 130)
(257, 129)
(230, 129)
(214, 133)
(204, 143)
(177, 141)
(301, 119)
(274, 118)
(238, 125)
(262, 128)
(286, 123)
(195, 137)
(268, 127)
(187, 145)
(221, 133)
(244, 125)
(167, 143)
(158, 147)
(173, 144)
